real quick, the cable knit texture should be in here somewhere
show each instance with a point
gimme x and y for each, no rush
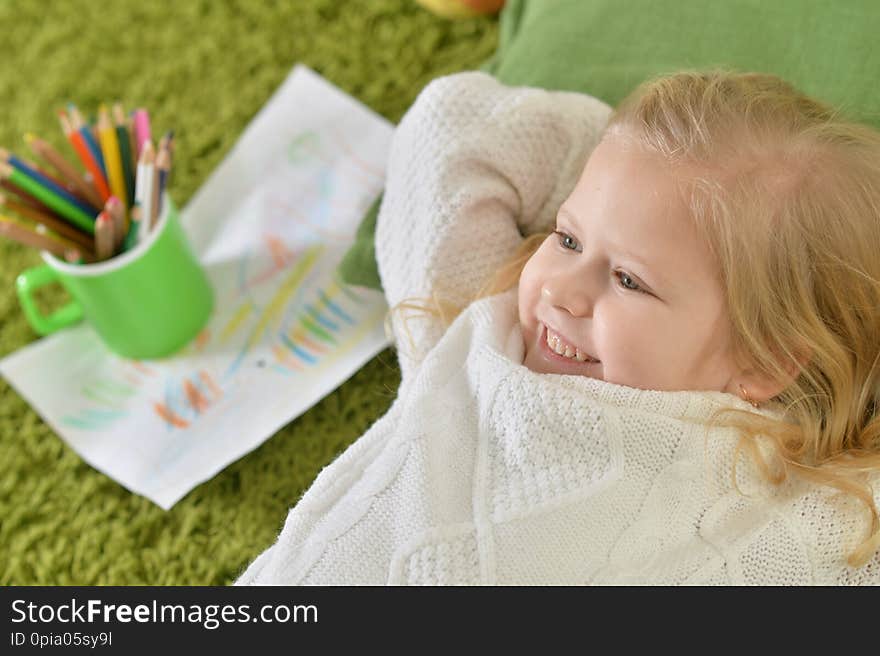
(484, 472)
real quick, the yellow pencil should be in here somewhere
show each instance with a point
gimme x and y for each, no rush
(112, 156)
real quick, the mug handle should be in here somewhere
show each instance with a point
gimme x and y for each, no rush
(33, 279)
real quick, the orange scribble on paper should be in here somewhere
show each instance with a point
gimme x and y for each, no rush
(169, 416)
(312, 344)
(281, 255)
(203, 338)
(198, 402)
(205, 377)
(142, 368)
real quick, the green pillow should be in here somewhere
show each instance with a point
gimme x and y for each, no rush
(607, 47)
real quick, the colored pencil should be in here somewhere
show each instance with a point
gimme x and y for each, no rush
(74, 257)
(41, 178)
(16, 231)
(80, 125)
(131, 237)
(116, 211)
(43, 231)
(112, 155)
(124, 140)
(103, 236)
(146, 174)
(169, 146)
(163, 166)
(132, 143)
(23, 196)
(67, 210)
(154, 195)
(82, 251)
(65, 169)
(52, 222)
(141, 129)
(86, 157)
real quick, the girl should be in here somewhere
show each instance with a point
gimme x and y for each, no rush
(683, 386)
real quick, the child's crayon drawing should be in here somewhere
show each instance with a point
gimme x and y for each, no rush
(270, 226)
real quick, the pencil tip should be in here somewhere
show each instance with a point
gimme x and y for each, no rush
(28, 138)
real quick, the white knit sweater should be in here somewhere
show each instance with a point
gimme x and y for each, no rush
(483, 472)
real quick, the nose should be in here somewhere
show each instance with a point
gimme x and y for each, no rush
(569, 295)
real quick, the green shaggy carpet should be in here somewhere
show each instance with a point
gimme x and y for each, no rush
(203, 67)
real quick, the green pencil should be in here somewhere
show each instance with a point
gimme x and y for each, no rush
(125, 152)
(52, 200)
(130, 240)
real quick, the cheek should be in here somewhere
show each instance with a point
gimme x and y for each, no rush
(529, 290)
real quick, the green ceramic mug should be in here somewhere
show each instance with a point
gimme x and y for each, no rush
(145, 303)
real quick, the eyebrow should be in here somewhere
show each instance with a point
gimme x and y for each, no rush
(649, 268)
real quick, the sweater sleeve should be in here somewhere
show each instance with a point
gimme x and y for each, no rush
(474, 166)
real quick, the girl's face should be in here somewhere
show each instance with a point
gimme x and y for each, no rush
(624, 290)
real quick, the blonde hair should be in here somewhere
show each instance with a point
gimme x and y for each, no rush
(786, 194)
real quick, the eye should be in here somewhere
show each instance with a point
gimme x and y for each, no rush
(567, 241)
(628, 282)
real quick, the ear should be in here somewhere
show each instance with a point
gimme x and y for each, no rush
(762, 388)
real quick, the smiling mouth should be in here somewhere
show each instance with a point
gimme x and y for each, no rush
(560, 347)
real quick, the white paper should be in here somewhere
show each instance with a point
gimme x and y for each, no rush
(270, 226)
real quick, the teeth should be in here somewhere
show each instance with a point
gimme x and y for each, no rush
(561, 348)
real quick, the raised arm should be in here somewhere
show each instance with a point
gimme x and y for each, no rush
(474, 166)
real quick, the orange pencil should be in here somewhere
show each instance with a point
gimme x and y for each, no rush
(65, 169)
(85, 155)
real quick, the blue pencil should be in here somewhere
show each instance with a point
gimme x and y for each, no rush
(85, 130)
(36, 176)
(94, 148)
